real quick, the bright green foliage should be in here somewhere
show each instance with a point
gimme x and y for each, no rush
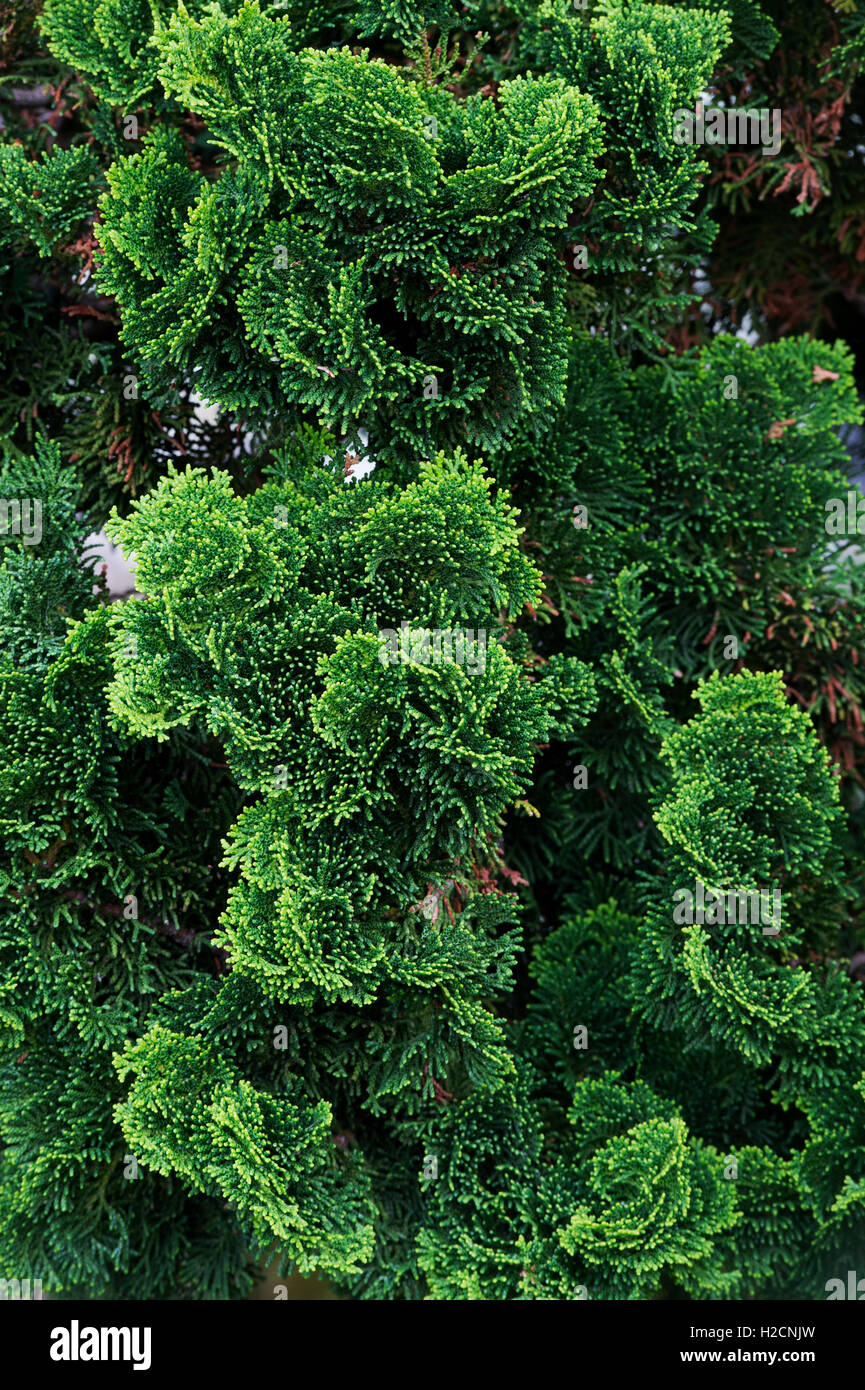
(112, 42)
(745, 819)
(266, 618)
(617, 1201)
(344, 886)
(353, 264)
(644, 1201)
(189, 1113)
(752, 808)
(641, 62)
(419, 755)
(109, 42)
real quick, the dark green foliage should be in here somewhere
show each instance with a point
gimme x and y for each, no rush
(350, 908)
(44, 200)
(580, 974)
(702, 542)
(78, 1212)
(791, 244)
(63, 370)
(105, 887)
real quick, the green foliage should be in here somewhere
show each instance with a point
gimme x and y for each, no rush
(188, 1113)
(790, 249)
(350, 907)
(113, 43)
(752, 809)
(44, 200)
(357, 267)
(105, 888)
(419, 749)
(77, 1212)
(63, 370)
(701, 543)
(641, 62)
(615, 1202)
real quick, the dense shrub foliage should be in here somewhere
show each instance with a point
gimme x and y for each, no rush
(443, 872)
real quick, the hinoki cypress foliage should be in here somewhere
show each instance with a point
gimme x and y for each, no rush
(379, 258)
(442, 873)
